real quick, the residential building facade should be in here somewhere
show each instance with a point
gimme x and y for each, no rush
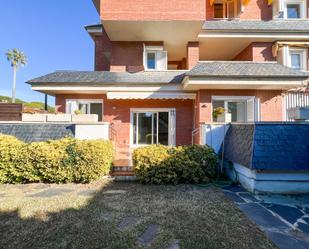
(162, 68)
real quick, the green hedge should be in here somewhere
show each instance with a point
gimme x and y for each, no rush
(185, 164)
(56, 161)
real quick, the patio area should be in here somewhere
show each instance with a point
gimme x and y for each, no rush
(284, 218)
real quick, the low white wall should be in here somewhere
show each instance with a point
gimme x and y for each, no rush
(213, 135)
(290, 182)
(61, 117)
(26, 117)
(92, 131)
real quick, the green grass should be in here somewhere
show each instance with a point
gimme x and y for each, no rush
(35, 104)
(198, 217)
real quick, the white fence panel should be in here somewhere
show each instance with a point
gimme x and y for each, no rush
(213, 135)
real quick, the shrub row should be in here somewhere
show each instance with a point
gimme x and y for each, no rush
(185, 164)
(56, 161)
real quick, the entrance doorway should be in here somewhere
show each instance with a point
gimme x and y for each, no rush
(152, 126)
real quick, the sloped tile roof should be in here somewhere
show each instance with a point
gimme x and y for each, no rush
(257, 25)
(110, 77)
(244, 69)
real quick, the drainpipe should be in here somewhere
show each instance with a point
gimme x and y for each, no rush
(45, 103)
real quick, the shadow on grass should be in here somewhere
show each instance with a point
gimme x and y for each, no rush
(198, 218)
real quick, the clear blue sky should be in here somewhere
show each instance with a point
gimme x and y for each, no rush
(51, 33)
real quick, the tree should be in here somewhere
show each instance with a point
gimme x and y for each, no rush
(17, 58)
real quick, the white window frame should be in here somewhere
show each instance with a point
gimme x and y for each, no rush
(171, 128)
(82, 101)
(155, 50)
(303, 57)
(302, 9)
(256, 100)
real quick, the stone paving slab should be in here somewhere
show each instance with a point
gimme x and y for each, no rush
(115, 192)
(51, 193)
(149, 234)
(261, 216)
(87, 193)
(127, 222)
(285, 241)
(291, 214)
(174, 244)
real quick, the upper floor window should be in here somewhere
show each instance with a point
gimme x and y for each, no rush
(298, 58)
(155, 58)
(225, 9)
(294, 9)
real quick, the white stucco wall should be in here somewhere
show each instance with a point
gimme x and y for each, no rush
(276, 182)
(92, 131)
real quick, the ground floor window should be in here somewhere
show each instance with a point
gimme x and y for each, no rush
(84, 106)
(153, 126)
(235, 109)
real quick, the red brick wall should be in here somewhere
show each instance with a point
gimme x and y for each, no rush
(256, 51)
(193, 54)
(152, 10)
(270, 100)
(257, 10)
(118, 113)
(127, 56)
(102, 52)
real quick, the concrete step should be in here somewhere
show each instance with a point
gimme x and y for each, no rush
(122, 173)
(122, 163)
(122, 168)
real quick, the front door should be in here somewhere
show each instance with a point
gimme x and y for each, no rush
(152, 127)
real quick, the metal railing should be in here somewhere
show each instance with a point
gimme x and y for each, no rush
(296, 99)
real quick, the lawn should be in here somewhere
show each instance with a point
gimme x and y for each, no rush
(108, 214)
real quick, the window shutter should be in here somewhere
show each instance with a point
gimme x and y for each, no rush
(71, 106)
(161, 60)
(250, 110)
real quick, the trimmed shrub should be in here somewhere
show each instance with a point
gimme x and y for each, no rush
(184, 164)
(14, 164)
(57, 161)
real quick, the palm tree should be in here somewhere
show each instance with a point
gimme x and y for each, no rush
(17, 59)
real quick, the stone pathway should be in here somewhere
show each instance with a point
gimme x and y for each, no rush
(284, 218)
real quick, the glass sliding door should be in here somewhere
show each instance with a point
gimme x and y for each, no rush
(151, 127)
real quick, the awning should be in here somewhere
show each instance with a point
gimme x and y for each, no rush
(280, 44)
(150, 95)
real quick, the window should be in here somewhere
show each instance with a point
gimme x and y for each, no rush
(234, 109)
(85, 107)
(298, 59)
(293, 11)
(225, 9)
(218, 10)
(152, 126)
(151, 60)
(155, 58)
